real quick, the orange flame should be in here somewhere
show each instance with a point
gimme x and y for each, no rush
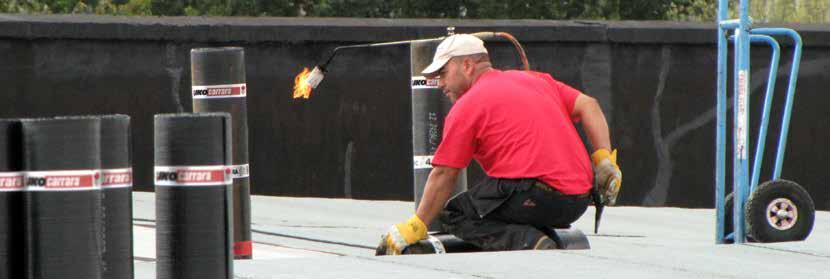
(301, 88)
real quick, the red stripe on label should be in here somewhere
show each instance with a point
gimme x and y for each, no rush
(69, 181)
(220, 92)
(188, 176)
(243, 248)
(12, 182)
(117, 179)
(193, 176)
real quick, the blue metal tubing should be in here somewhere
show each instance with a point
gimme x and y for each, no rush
(741, 168)
(762, 136)
(730, 24)
(720, 141)
(788, 106)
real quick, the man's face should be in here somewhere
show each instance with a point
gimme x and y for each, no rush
(455, 78)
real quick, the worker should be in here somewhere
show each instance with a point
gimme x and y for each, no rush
(519, 126)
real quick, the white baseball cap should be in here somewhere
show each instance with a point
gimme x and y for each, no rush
(452, 46)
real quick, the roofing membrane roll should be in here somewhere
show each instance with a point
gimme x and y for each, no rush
(193, 179)
(429, 108)
(116, 191)
(218, 85)
(62, 198)
(11, 200)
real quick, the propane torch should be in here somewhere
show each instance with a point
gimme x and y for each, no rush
(305, 82)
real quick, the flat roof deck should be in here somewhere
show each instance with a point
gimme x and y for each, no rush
(335, 238)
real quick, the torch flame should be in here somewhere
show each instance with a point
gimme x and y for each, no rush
(301, 88)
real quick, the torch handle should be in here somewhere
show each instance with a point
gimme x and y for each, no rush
(480, 35)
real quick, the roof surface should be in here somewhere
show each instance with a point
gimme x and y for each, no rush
(335, 238)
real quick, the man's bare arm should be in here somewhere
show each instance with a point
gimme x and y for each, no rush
(587, 109)
(439, 187)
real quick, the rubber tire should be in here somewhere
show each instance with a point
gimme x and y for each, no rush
(728, 226)
(756, 217)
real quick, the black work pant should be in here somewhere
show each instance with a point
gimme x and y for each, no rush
(509, 214)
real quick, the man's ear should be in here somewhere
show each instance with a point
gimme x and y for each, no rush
(469, 66)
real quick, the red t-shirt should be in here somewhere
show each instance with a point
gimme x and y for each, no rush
(518, 124)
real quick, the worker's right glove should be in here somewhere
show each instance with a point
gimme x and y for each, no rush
(402, 235)
(607, 174)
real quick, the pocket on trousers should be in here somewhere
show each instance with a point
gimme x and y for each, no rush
(490, 194)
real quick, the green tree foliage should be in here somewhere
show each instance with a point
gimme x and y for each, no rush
(102, 7)
(802, 11)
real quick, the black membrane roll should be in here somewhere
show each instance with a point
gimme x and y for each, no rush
(218, 85)
(429, 108)
(11, 200)
(193, 190)
(116, 191)
(62, 197)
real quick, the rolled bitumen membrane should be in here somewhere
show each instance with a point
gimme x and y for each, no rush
(193, 190)
(218, 85)
(429, 109)
(116, 187)
(62, 201)
(11, 200)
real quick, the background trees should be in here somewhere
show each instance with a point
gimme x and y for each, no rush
(802, 11)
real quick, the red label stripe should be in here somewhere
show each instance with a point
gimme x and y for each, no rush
(193, 176)
(11, 181)
(112, 178)
(69, 181)
(219, 91)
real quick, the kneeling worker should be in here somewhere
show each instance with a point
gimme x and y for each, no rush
(519, 126)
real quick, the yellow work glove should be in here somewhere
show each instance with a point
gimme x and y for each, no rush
(404, 234)
(607, 174)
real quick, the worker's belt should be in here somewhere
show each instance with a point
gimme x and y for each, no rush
(544, 187)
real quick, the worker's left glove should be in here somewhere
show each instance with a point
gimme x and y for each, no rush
(404, 234)
(608, 174)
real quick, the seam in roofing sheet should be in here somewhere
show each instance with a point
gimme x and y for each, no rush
(279, 235)
(313, 239)
(375, 259)
(789, 251)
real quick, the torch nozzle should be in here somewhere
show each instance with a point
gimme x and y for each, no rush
(315, 77)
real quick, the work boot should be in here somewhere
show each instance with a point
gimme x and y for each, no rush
(545, 243)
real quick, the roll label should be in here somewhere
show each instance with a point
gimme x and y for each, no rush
(238, 90)
(741, 126)
(241, 171)
(73, 180)
(436, 245)
(11, 181)
(420, 82)
(422, 162)
(117, 178)
(193, 175)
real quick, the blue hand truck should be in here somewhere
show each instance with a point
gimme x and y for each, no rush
(777, 210)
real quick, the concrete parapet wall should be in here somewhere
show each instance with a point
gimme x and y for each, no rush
(655, 80)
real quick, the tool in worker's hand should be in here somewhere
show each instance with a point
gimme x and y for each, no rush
(599, 206)
(608, 174)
